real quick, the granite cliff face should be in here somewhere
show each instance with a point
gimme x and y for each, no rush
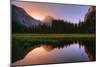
(20, 16)
(48, 21)
(90, 19)
(91, 13)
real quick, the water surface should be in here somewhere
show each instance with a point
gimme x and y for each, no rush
(66, 51)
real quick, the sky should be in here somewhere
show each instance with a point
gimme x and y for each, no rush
(67, 12)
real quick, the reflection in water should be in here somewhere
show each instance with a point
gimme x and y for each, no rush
(47, 48)
(66, 51)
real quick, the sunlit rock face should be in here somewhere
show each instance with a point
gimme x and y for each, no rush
(19, 15)
(90, 19)
(90, 10)
(48, 20)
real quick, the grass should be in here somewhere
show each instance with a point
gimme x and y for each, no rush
(46, 36)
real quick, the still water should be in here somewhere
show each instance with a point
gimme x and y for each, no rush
(80, 51)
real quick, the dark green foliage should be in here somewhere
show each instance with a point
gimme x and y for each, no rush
(89, 24)
(16, 27)
(60, 26)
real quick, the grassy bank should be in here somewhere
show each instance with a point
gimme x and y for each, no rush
(53, 36)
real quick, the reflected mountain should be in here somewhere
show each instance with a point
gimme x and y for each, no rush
(48, 47)
(21, 48)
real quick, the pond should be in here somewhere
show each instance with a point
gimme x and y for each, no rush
(63, 51)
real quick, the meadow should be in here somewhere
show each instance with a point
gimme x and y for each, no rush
(30, 35)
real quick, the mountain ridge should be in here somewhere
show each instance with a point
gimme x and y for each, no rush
(21, 16)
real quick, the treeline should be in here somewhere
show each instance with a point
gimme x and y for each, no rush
(61, 26)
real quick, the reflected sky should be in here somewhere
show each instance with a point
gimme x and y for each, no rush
(47, 54)
(72, 13)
